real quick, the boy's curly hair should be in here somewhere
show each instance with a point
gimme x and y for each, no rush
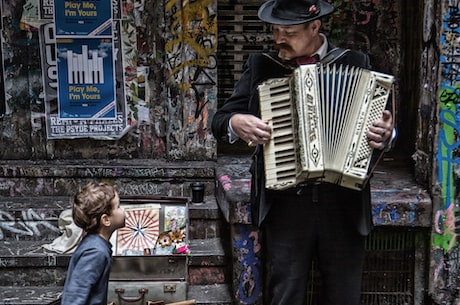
(90, 203)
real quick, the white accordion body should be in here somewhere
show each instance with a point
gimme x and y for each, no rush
(319, 118)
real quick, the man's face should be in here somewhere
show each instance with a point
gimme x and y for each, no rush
(295, 40)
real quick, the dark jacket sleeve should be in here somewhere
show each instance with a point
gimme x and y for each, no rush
(236, 103)
(245, 97)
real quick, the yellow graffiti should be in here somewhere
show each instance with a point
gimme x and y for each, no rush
(451, 38)
(195, 12)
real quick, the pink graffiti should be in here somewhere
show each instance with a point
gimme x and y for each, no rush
(444, 224)
(226, 182)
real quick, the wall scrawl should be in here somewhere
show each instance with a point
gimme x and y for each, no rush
(30, 223)
(192, 67)
(373, 30)
(445, 251)
(250, 281)
(449, 105)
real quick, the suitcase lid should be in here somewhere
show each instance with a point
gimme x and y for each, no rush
(155, 225)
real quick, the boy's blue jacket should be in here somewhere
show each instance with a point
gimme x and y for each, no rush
(88, 273)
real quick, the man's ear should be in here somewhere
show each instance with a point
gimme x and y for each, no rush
(315, 25)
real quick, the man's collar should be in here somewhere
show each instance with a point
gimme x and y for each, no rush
(322, 51)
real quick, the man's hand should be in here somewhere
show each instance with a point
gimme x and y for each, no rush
(250, 129)
(381, 131)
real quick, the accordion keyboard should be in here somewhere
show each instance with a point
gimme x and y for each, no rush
(280, 153)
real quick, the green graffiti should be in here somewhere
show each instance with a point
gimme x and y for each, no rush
(448, 129)
(445, 241)
(446, 237)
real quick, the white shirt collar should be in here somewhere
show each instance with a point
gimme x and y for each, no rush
(322, 51)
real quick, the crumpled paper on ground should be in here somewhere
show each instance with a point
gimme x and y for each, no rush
(71, 235)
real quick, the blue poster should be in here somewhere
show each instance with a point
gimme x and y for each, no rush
(86, 78)
(83, 18)
(85, 59)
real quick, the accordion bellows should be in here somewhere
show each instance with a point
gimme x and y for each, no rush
(319, 118)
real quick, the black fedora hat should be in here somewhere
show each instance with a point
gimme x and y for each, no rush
(293, 11)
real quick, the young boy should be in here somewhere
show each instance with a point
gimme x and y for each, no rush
(96, 209)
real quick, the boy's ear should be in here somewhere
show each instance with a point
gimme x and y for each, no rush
(105, 220)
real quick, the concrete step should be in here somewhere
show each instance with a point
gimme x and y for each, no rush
(27, 263)
(36, 218)
(20, 178)
(33, 295)
(210, 294)
(34, 276)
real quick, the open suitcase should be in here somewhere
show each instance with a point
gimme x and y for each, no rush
(150, 252)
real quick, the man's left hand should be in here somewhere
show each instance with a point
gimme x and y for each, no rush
(381, 131)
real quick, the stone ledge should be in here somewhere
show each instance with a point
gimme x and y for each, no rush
(218, 294)
(207, 263)
(208, 209)
(207, 252)
(134, 177)
(136, 168)
(23, 249)
(31, 295)
(396, 199)
(32, 254)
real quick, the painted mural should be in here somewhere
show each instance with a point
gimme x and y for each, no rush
(191, 45)
(165, 76)
(445, 252)
(371, 26)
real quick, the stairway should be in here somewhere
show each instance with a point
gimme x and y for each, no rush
(33, 194)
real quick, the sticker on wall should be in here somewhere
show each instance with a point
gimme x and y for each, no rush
(83, 70)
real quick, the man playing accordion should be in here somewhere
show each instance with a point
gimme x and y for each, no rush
(311, 220)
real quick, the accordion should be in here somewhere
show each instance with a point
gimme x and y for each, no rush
(319, 118)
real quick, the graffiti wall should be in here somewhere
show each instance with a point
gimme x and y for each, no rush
(445, 252)
(370, 26)
(191, 45)
(164, 80)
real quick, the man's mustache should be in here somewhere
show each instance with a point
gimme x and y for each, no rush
(283, 46)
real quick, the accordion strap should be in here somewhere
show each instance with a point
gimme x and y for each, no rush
(384, 150)
(277, 61)
(333, 55)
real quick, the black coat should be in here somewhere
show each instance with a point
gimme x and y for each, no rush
(245, 99)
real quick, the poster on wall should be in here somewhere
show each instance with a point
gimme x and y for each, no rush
(83, 18)
(83, 71)
(92, 31)
(86, 78)
(85, 65)
(58, 128)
